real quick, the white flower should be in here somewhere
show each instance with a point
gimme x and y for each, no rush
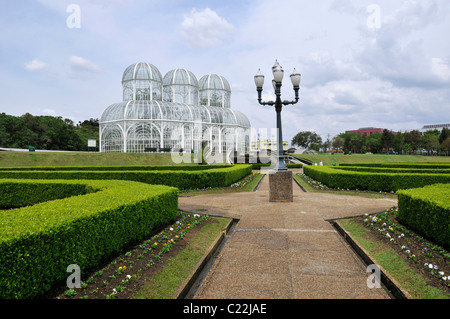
(430, 266)
(171, 229)
(114, 291)
(196, 215)
(444, 278)
(128, 276)
(388, 235)
(441, 273)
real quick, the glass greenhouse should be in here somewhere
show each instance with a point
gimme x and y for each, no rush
(174, 113)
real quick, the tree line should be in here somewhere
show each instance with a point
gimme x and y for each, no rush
(433, 142)
(46, 132)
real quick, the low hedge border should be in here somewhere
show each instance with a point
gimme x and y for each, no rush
(39, 242)
(193, 167)
(386, 182)
(371, 169)
(430, 165)
(209, 176)
(14, 194)
(427, 210)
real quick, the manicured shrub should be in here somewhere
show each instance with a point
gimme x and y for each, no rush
(189, 178)
(38, 242)
(30, 192)
(427, 211)
(386, 182)
(431, 165)
(407, 170)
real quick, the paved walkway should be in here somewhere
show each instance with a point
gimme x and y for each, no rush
(286, 250)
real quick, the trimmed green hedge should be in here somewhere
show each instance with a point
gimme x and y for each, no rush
(427, 210)
(192, 167)
(14, 195)
(431, 165)
(386, 182)
(189, 178)
(371, 169)
(38, 242)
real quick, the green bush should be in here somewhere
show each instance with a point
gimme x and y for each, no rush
(38, 242)
(371, 169)
(386, 182)
(427, 211)
(191, 177)
(431, 165)
(30, 192)
(117, 168)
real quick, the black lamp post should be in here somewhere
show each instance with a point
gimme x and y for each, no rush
(278, 74)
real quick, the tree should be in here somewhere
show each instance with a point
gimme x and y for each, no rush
(430, 141)
(446, 145)
(445, 134)
(307, 140)
(373, 142)
(387, 138)
(413, 139)
(337, 143)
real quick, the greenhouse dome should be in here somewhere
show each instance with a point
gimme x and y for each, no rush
(180, 86)
(142, 81)
(214, 90)
(148, 121)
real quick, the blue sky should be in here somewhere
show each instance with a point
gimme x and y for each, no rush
(363, 63)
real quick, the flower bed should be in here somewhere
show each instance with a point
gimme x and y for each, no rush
(427, 257)
(120, 277)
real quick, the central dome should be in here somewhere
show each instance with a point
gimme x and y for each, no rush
(180, 86)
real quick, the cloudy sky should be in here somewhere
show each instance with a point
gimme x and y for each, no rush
(380, 63)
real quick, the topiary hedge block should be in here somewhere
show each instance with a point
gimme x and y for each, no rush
(191, 177)
(38, 242)
(386, 182)
(427, 210)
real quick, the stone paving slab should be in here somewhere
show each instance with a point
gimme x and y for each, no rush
(286, 250)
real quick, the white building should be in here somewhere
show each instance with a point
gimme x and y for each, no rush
(172, 113)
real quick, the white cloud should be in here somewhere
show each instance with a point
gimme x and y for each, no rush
(36, 65)
(79, 67)
(205, 28)
(440, 69)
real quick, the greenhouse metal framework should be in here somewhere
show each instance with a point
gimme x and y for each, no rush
(175, 113)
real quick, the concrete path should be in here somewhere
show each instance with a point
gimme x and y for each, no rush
(286, 250)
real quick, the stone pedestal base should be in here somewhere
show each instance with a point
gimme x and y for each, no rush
(281, 188)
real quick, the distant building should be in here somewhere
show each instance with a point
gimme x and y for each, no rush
(433, 127)
(368, 131)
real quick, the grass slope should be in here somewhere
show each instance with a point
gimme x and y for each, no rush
(18, 159)
(328, 159)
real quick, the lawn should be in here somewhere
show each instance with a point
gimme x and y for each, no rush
(328, 159)
(17, 159)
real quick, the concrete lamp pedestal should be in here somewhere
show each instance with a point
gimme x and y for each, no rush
(281, 186)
